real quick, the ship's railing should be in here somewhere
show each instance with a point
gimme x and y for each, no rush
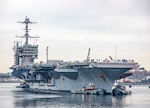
(122, 62)
(126, 63)
(72, 64)
(119, 61)
(115, 64)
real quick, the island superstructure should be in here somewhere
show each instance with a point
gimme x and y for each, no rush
(60, 76)
(25, 54)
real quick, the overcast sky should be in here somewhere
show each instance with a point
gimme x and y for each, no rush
(70, 27)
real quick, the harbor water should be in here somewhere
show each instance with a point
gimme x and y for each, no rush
(12, 97)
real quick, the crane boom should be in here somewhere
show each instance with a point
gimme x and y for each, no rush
(88, 56)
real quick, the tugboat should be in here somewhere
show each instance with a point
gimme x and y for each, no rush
(90, 89)
(120, 90)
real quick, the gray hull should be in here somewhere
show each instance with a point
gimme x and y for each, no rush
(70, 79)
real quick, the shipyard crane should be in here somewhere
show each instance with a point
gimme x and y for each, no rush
(88, 56)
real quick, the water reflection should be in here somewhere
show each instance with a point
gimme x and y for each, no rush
(11, 97)
(121, 101)
(31, 100)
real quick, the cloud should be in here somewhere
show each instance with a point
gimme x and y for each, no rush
(79, 24)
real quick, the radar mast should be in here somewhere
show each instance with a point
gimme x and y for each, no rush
(26, 35)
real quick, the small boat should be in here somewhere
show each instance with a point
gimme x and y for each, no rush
(120, 90)
(90, 89)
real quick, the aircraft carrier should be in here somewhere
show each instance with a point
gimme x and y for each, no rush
(61, 76)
